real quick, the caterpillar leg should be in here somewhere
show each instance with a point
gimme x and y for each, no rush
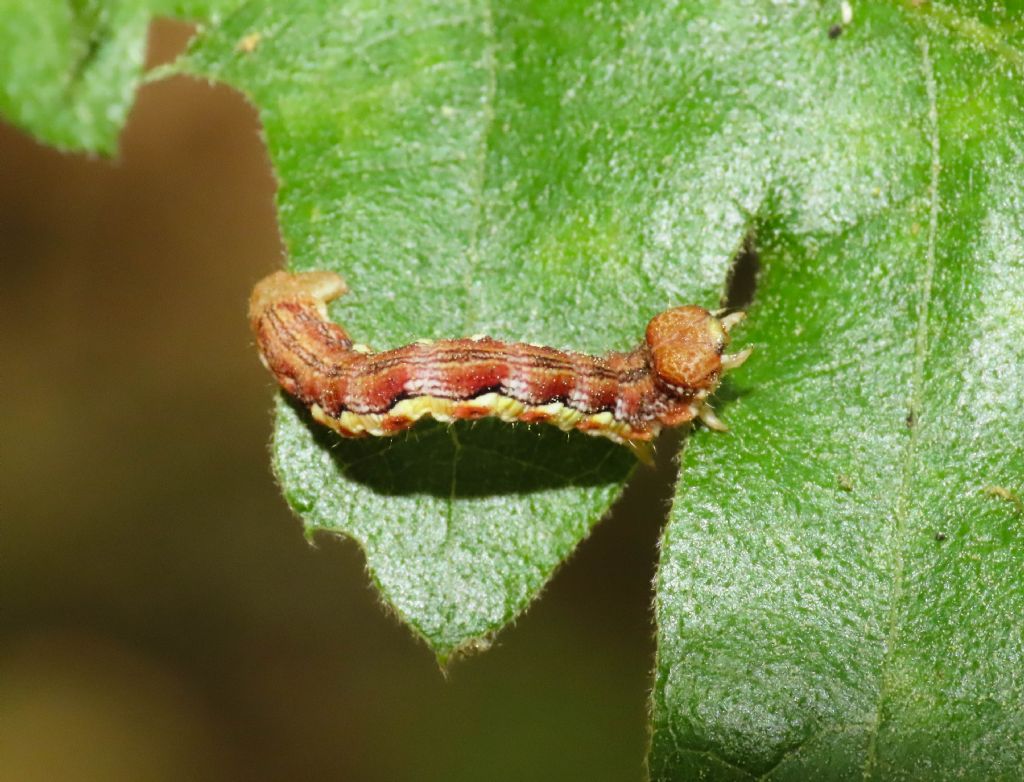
(642, 450)
(729, 321)
(732, 360)
(710, 420)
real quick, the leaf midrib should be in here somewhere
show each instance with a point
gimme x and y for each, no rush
(489, 55)
(909, 459)
(916, 393)
(968, 28)
(473, 250)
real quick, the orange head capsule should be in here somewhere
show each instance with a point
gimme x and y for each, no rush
(686, 345)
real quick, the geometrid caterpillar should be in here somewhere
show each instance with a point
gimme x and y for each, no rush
(627, 397)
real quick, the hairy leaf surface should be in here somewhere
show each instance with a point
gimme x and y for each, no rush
(840, 591)
(516, 170)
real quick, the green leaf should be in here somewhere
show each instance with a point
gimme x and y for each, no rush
(461, 526)
(840, 591)
(840, 594)
(519, 171)
(69, 69)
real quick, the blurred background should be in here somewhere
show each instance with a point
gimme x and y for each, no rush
(161, 615)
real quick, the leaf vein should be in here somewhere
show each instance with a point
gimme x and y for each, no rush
(401, 33)
(916, 392)
(490, 92)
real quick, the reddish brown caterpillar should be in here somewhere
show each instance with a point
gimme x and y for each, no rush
(627, 397)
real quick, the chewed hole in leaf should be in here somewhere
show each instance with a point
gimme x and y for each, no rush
(742, 282)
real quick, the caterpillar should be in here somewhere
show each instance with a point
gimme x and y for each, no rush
(627, 397)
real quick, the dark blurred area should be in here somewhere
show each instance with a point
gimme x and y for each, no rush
(161, 615)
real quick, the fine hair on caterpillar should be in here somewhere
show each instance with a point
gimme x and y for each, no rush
(627, 397)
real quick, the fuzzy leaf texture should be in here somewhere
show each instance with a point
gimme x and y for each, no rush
(840, 593)
(512, 171)
(69, 69)
(841, 588)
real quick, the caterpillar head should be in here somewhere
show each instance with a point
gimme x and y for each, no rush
(687, 347)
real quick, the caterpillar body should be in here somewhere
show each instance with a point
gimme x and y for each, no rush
(627, 397)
